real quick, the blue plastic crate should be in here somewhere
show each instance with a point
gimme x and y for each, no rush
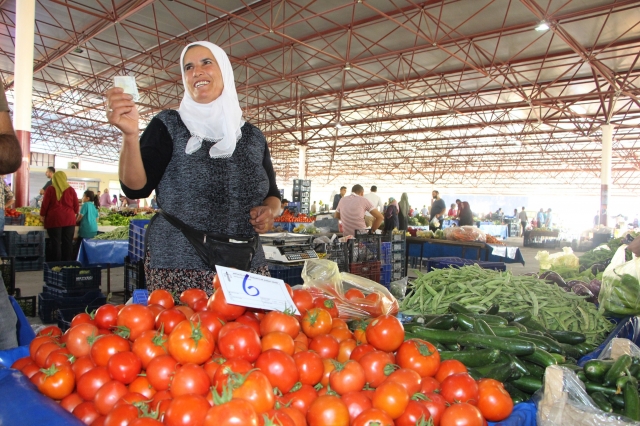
(8, 272)
(63, 292)
(385, 278)
(385, 253)
(140, 297)
(137, 232)
(15, 221)
(290, 274)
(72, 276)
(48, 304)
(387, 268)
(28, 263)
(21, 245)
(445, 262)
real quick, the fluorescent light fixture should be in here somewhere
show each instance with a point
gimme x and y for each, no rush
(347, 66)
(338, 125)
(542, 26)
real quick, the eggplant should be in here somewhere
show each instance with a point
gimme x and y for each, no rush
(594, 286)
(555, 278)
(597, 267)
(583, 290)
(582, 268)
(531, 274)
(576, 282)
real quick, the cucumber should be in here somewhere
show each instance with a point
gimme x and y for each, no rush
(631, 400)
(432, 335)
(457, 308)
(538, 343)
(568, 337)
(560, 359)
(570, 350)
(476, 358)
(595, 369)
(623, 380)
(499, 372)
(453, 347)
(602, 402)
(617, 400)
(522, 369)
(534, 369)
(474, 373)
(619, 368)
(506, 331)
(492, 310)
(507, 344)
(516, 394)
(442, 322)
(481, 327)
(492, 320)
(519, 326)
(575, 368)
(528, 384)
(509, 316)
(532, 324)
(465, 322)
(586, 347)
(554, 347)
(596, 387)
(581, 376)
(523, 316)
(541, 357)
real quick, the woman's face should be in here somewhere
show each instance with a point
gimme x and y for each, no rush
(202, 75)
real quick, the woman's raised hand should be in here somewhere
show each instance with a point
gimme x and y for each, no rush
(122, 111)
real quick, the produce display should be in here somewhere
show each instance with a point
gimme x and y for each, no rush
(31, 219)
(120, 218)
(599, 256)
(9, 212)
(121, 233)
(289, 217)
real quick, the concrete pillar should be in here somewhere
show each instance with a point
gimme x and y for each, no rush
(302, 162)
(605, 175)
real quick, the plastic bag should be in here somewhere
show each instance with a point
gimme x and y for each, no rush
(618, 347)
(465, 233)
(323, 278)
(399, 288)
(564, 401)
(620, 291)
(562, 260)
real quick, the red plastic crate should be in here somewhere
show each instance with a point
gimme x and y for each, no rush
(370, 270)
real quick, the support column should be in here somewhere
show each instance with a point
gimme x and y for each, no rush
(302, 162)
(605, 175)
(23, 89)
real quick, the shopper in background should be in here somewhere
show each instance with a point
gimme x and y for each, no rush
(105, 199)
(548, 219)
(391, 216)
(87, 219)
(523, 221)
(207, 165)
(338, 197)
(351, 210)
(465, 214)
(114, 201)
(59, 209)
(96, 200)
(453, 211)
(374, 198)
(49, 174)
(424, 211)
(313, 208)
(438, 208)
(403, 213)
(154, 202)
(283, 206)
(6, 200)
(540, 218)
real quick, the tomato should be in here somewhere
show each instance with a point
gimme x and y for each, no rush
(461, 414)
(373, 417)
(44, 351)
(280, 321)
(190, 379)
(300, 397)
(234, 412)
(255, 388)
(187, 311)
(134, 320)
(209, 320)
(186, 410)
(436, 405)
(71, 401)
(280, 368)
(237, 340)
(345, 349)
(459, 387)
(296, 415)
(419, 355)
(413, 414)
(329, 366)
(251, 320)
(310, 367)
(149, 345)
(82, 318)
(161, 297)
(328, 304)
(392, 398)
(360, 351)
(78, 341)
(145, 421)
(303, 300)
(353, 293)
(325, 345)
(57, 382)
(328, 410)
(341, 334)
(168, 319)
(158, 309)
(104, 347)
(235, 365)
(449, 367)
(385, 333)
(190, 342)
(218, 304)
(376, 364)
(82, 365)
(51, 331)
(86, 412)
(429, 384)
(210, 367)
(407, 378)
(106, 317)
(107, 396)
(124, 367)
(19, 363)
(30, 370)
(160, 371)
(278, 340)
(277, 417)
(356, 403)
(347, 377)
(200, 305)
(121, 415)
(494, 402)
(188, 297)
(89, 383)
(316, 321)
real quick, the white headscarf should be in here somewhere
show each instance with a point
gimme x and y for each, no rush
(219, 121)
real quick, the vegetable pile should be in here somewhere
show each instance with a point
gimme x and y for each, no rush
(207, 362)
(121, 233)
(478, 289)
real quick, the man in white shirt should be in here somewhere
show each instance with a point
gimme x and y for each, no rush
(376, 202)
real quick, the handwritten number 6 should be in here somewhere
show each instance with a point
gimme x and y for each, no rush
(245, 287)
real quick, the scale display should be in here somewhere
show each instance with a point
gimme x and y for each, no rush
(289, 253)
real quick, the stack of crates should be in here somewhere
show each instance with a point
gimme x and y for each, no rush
(302, 194)
(69, 287)
(365, 254)
(386, 267)
(290, 274)
(398, 255)
(27, 249)
(8, 271)
(137, 232)
(14, 220)
(338, 252)
(134, 278)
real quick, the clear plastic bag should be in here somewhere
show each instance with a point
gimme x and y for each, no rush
(465, 233)
(564, 401)
(620, 291)
(322, 278)
(618, 347)
(399, 288)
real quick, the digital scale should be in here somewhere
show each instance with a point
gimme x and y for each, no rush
(293, 253)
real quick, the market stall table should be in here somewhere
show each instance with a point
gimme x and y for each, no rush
(501, 231)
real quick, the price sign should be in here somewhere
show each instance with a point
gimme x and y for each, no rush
(254, 291)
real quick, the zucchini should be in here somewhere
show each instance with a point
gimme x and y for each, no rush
(623, 380)
(507, 344)
(570, 351)
(602, 402)
(476, 358)
(619, 368)
(523, 316)
(499, 372)
(519, 326)
(595, 369)
(528, 384)
(541, 357)
(474, 373)
(554, 347)
(492, 320)
(534, 369)
(506, 331)
(457, 308)
(465, 322)
(617, 400)
(560, 359)
(444, 337)
(596, 387)
(509, 316)
(516, 394)
(532, 324)
(631, 400)
(568, 337)
(492, 310)
(481, 327)
(522, 369)
(442, 322)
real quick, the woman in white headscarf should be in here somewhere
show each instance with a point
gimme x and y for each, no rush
(207, 166)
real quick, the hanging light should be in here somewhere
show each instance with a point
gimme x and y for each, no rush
(542, 26)
(338, 125)
(347, 66)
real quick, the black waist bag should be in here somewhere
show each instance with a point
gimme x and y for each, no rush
(217, 249)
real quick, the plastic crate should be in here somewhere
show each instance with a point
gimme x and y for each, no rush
(286, 226)
(385, 278)
(365, 248)
(78, 277)
(29, 244)
(140, 297)
(134, 278)
(64, 292)
(27, 304)
(385, 253)
(17, 220)
(339, 253)
(290, 274)
(370, 270)
(48, 304)
(137, 232)
(8, 271)
(445, 262)
(28, 263)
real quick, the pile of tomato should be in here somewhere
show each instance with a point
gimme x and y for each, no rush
(209, 363)
(8, 212)
(289, 217)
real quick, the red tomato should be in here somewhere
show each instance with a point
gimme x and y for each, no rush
(160, 371)
(107, 396)
(392, 398)
(161, 297)
(190, 342)
(494, 402)
(296, 415)
(106, 317)
(280, 368)
(316, 321)
(56, 382)
(356, 403)
(200, 305)
(18, 364)
(407, 378)
(280, 321)
(189, 297)
(237, 340)
(385, 333)
(82, 365)
(235, 365)
(353, 293)
(78, 341)
(30, 370)
(157, 309)
(124, 367)
(37, 342)
(44, 351)
(86, 412)
(82, 318)
(341, 334)
(168, 319)
(376, 364)
(218, 304)
(51, 331)
(419, 355)
(325, 345)
(145, 421)
(105, 346)
(429, 384)
(149, 345)
(462, 414)
(135, 319)
(373, 416)
(347, 377)
(209, 320)
(303, 300)
(449, 367)
(360, 351)
(121, 415)
(459, 387)
(413, 415)
(255, 388)
(143, 387)
(277, 417)
(190, 379)
(71, 401)
(186, 410)
(300, 397)
(234, 412)
(436, 405)
(248, 318)
(278, 340)
(345, 349)
(89, 383)
(328, 304)
(309, 365)
(328, 410)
